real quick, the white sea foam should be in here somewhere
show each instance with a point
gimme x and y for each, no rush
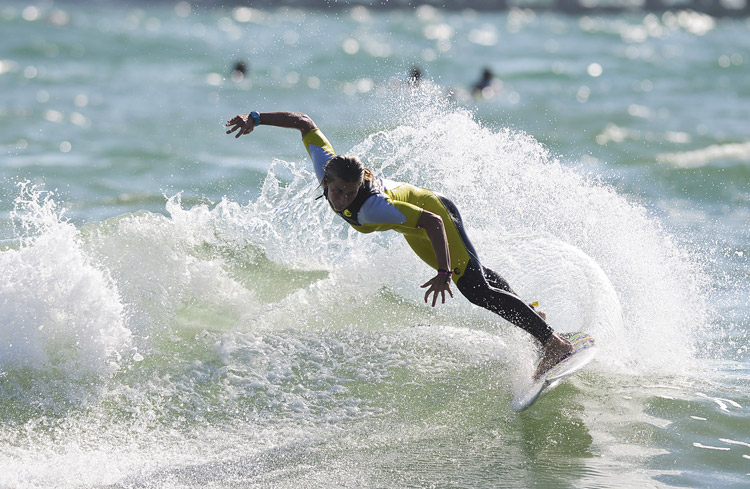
(594, 259)
(59, 308)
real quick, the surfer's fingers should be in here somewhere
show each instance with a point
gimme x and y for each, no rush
(245, 130)
(429, 283)
(241, 122)
(236, 121)
(242, 130)
(432, 291)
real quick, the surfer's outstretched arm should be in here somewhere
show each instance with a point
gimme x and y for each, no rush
(245, 123)
(435, 229)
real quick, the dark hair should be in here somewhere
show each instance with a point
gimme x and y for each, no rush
(347, 168)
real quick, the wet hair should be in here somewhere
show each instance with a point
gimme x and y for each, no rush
(348, 169)
(240, 67)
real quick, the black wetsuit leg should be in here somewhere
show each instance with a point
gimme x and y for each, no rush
(495, 280)
(486, 288)
(475, 287)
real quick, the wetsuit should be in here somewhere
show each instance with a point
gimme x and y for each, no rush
(387, 205)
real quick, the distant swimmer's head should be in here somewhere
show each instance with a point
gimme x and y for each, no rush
(239, 70)
(344, 176)
(415, 75)
(240, 66)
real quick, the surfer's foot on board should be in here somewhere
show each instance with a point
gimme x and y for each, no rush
(553, 352)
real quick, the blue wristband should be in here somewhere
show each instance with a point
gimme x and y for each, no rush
(256, 117)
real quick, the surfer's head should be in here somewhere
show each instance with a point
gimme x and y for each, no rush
(343, 177)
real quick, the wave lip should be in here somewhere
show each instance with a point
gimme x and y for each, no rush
(59, 309)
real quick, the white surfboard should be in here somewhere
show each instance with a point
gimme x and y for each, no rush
(584, 350)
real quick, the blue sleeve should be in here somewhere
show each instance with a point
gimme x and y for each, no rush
(378, 210)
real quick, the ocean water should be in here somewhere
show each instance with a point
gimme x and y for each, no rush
(178, 311)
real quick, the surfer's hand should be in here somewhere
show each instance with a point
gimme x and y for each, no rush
(439, 284)
(243, 122)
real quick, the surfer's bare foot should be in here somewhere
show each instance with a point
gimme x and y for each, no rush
(553, 351)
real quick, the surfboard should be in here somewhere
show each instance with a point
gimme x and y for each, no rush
(584, 350)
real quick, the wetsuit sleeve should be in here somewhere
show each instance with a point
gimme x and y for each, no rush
(378, 210)
(319, 149)
(411, 212)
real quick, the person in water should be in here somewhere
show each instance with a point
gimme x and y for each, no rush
(485, 81)
(429, 221)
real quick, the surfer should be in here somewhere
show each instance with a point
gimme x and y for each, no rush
(429, 221)
(483, 87)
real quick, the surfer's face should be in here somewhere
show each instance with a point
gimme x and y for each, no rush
(342, 193)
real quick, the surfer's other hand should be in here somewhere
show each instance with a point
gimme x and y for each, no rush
(439, 284)
(243, 122)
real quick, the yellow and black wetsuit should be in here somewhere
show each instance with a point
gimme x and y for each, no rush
(387, 205)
